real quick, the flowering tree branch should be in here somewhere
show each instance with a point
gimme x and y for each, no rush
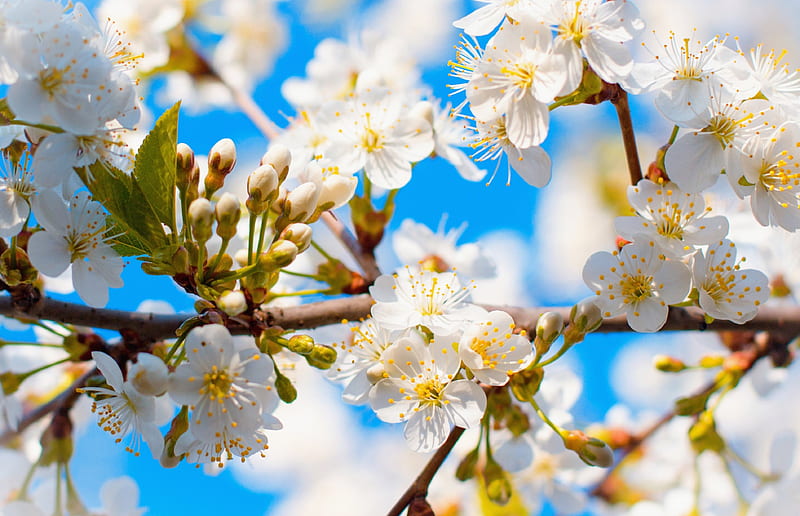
(365, 260)
(784, 320)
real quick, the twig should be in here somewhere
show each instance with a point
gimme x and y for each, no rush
(628, 137)
(67, 397)
(365, 260)
(420, 485)
(785, 320)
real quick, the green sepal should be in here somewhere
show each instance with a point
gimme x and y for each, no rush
(704, 436)
(691, 405)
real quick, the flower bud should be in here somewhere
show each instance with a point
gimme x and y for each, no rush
(286, 391)
(711, 361)
(585, 317)
(525, 384)
(201, 219)
(221, 160)
(466, 468)
(301, 202)
(227, 211)
(280, 158)
(232, 302)
(184, 166)
(301, 344)
(498, 487)
(180, 260)
(56, 441)
(548, 328)
(299, 234)
(591, 450)
(280, 254)
(668, 364)
(337, 190)
(322, 353)
(262, 189)
(149, 375)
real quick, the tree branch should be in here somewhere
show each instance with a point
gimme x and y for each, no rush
(419, 488)
(628, 137)
(785, 320)
(66, 397)
(365, 260)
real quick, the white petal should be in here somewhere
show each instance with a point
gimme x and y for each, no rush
(110, 369)
(49, 253)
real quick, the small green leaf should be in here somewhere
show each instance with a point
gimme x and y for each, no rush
(692, 404)
(121, 196)
(125, 243)
(154, 170)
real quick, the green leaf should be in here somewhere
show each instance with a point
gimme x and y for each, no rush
(691, 405)
(125, 243)
(123, 198)
(154, 170)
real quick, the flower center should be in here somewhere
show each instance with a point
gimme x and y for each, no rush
(636, 288)
(430, 392)
(782, 175)
(217, 384)
(521, 74)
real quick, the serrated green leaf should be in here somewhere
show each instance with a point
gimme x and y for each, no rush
(125, 243)
(121, 196)
(154, 170)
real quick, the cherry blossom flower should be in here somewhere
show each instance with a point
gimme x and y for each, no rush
(637, 281)
(416, 243)
(597, 28)
(681, 71)
(771, 178)
(675, 220)
(714, 144)
(491, 351)
(358, 363)
(122, 410)
(230, 393)
(372, 132)
(16, 188)
(777, 81)
(450, 132)
(419, 389)
(726, 291)
(517, 76)
(492, 142)
(75, 236)
(434, 300)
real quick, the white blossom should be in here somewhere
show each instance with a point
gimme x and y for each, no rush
(491, 350)
(420, 389)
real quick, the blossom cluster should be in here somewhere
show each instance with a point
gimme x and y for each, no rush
(672, 246)
(228, 386)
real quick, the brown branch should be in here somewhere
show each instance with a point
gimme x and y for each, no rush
(66, 398)
(628, 137)
(365, 260)
(419, 488)
(785, 320)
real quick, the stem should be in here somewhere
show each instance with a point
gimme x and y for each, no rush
(674, 135)
(251, 235)
(420, 485)
(628, 136)
(365, 260)
(262, 233)
(539, 412)
(564, 348)
(45, 127)
(32, 372)
(743, 505)
(218, 258)
(761, 476)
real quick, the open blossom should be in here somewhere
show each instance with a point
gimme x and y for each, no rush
(432, 299)
(777, 81)
(516, 77)
(637, 281)
(492, 142)
(416, 243)
(75, 236)
(675, 220)
(359, 363)
(16, 188)
(230, 394)
(419, 389)
(491, 351)
(373, 132)
(726, 291)
(599, 29)
(771, 177)
(714, 143)
(122, 410)
(682, 70)
(449, 133)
